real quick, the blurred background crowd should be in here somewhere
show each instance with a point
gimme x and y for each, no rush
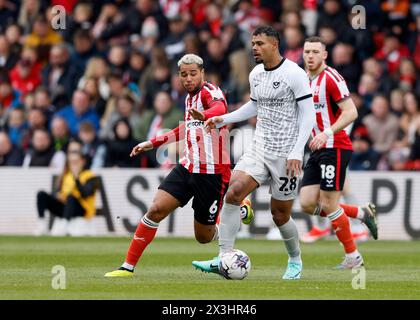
(109, 77)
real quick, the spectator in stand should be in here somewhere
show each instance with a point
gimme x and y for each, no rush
(84, 48)
(80, 20)
(60, 134)
(127, 109)
(117, 59)
(29, 11)
(17, 127)
(174, 40)
(80, 110)
(10, 155)
(161, 81)
(137, 63)
(7, 14)
(332, 14)
(7, 58)
(392, 52)
(42, 37)
(14, 35)
(247, 16)
(97, 102)
(134, 18)
(216, 61)
(363, 157)
(116, 86)
(293, 50)
(73, 197)
(92, 147)
(397, 102)
(42, 152)
(164, 116)
(9, 97)
(382, 125)
(42, 100)
(118, 149)
(25, 76)
(343, 61)
(37, 119)
(60, 76)
(407, 76)
(98, 69)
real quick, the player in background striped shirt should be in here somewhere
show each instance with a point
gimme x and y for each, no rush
(202, 174)
(325, 171)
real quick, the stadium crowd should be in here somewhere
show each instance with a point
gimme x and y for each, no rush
(109, 76)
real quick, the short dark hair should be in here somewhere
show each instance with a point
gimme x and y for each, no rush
(268, 31)
(315, 39)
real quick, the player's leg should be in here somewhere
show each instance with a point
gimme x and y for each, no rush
(248, 174)
(365, 213)
(163, 204)
(209, 191)
(230, 217)
(309, 199)
(172, 193)
(284, 190)
(333, 164)
(281, 214)
(46, 201)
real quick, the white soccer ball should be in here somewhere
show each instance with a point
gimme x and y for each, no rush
(234, 265)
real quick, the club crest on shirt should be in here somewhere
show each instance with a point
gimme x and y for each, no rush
(276, 84)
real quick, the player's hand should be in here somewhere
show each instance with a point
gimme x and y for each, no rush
(293, 168)
(318, 142)
(141, 147)
(211, 123)
(197, 115)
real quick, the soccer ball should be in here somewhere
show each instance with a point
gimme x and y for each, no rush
(234, 265)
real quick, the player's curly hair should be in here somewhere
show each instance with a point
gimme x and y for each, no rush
(268, 31)
(191, 59)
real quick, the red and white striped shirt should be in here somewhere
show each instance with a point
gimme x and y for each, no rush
(204, 152)
(328, 89)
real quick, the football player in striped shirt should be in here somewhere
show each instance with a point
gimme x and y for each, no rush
(325, 171)
(202, 174)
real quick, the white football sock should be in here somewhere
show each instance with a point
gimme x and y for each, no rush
(216, 233)
(128, 266)
(290, 237)
(230, 222)
(360, 213)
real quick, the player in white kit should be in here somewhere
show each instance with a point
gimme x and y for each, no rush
(281, 98)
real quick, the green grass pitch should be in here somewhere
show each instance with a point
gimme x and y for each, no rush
(165, 271)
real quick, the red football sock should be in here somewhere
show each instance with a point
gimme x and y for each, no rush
(341, 225)
(145, 233)
(350, 211)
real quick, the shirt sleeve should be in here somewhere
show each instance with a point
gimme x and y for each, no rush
(214, 102)
(174, 135)
(300, 85)
(252, 83)
(337, 87)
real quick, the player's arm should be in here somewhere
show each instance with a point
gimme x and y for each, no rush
(306, 120)
(216, 108)
(246, 111)
(340, 94)
(174, 135)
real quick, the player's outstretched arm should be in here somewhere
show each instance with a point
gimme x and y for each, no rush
(141, 147)
(174, 135)
(248, 110)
